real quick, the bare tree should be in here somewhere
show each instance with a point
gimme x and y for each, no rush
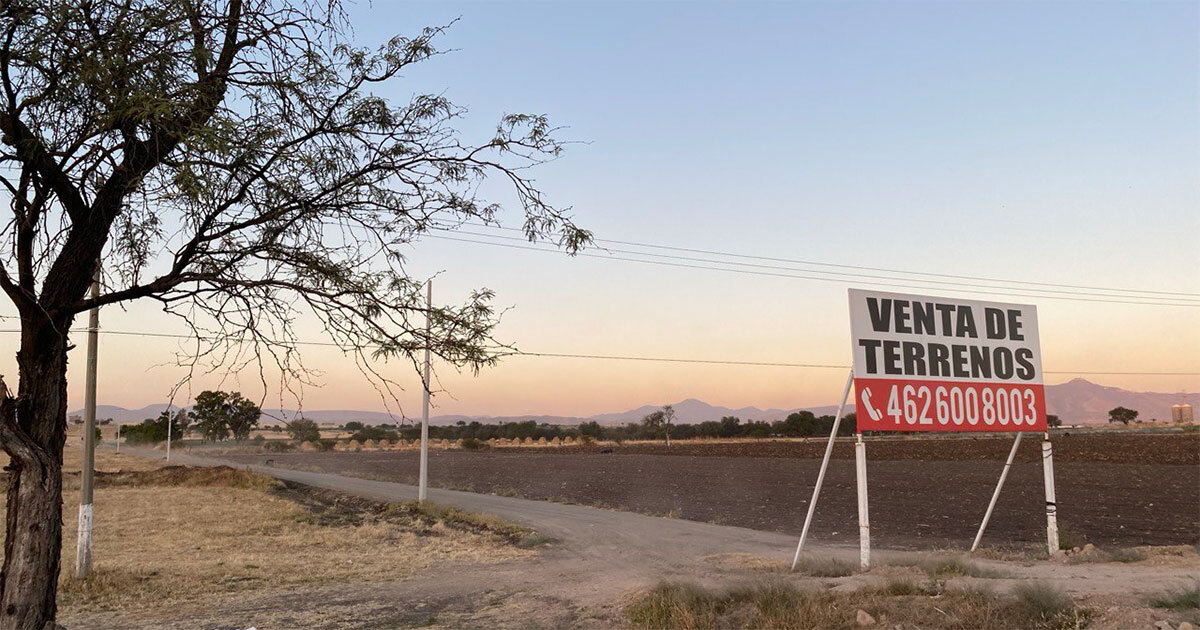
(231, 160)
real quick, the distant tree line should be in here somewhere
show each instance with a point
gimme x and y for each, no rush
(656, 426)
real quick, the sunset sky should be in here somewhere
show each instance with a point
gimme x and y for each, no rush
(1055, 143)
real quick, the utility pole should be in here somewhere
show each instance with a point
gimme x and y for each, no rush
(83, 547)
(170, 421)
(424, 477)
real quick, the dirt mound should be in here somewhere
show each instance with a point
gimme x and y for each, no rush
(220, 476)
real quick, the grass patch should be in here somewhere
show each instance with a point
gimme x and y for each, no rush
(1044, 603)
(825, 567)
(1117, 555)
(1186, 598)
(902, 588)
(1127, 555)
(782, 605)
(950, 566)
(219, 532)
(534, 539)
(1069, 538)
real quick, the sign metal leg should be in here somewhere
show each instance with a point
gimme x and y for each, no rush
(812, 504)
(996, 495)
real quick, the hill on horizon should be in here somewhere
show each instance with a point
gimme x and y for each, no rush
(1078, 401)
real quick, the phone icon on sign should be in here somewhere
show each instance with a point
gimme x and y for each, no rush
(875, 414)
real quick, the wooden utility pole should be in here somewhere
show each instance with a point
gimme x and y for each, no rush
(83, 548)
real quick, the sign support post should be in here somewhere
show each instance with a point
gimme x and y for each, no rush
(1051, 505)
(987, 516)
(864, 525)
(812, 504)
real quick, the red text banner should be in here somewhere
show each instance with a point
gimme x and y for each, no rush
(908, 405)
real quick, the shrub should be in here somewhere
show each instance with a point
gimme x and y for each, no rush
(304, 430)
(324, 445)
(278, 446)
(676, 605)
(471, 444)
(1041, 601)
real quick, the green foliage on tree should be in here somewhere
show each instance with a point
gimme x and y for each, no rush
(1122, 415)
(220, 415)
(353, 425)
(1053, 421)
(660, 422)
(154, 430)
(304, 430)
(376, 433)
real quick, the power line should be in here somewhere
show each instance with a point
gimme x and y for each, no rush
(858, 267)
(832, 273)
(1002, 290)
(613, 357)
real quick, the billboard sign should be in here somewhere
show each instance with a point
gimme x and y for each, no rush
(945, 364)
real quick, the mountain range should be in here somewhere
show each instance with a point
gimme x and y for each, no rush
(1076, 402)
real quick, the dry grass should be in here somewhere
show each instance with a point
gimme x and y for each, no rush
(945, 565)
(1186, 598)
(180, 537)
(782, 605)
(824, 567)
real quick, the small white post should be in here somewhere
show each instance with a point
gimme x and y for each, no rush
(424, 475)
(812, 504)
(118, 438)
(864, 521)
(987, 516)
(1051, 504)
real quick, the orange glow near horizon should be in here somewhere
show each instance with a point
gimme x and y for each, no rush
(137, 371)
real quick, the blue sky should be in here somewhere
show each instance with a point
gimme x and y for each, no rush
(1055, 142)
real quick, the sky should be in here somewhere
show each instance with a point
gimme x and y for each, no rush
(1045, 142)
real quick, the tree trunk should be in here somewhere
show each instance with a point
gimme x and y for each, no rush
(32, 432)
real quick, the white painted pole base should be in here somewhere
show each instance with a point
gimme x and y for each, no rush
(996, 495)
(864, 520)
(812, 504)
(83, 544)
(1051, 504)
